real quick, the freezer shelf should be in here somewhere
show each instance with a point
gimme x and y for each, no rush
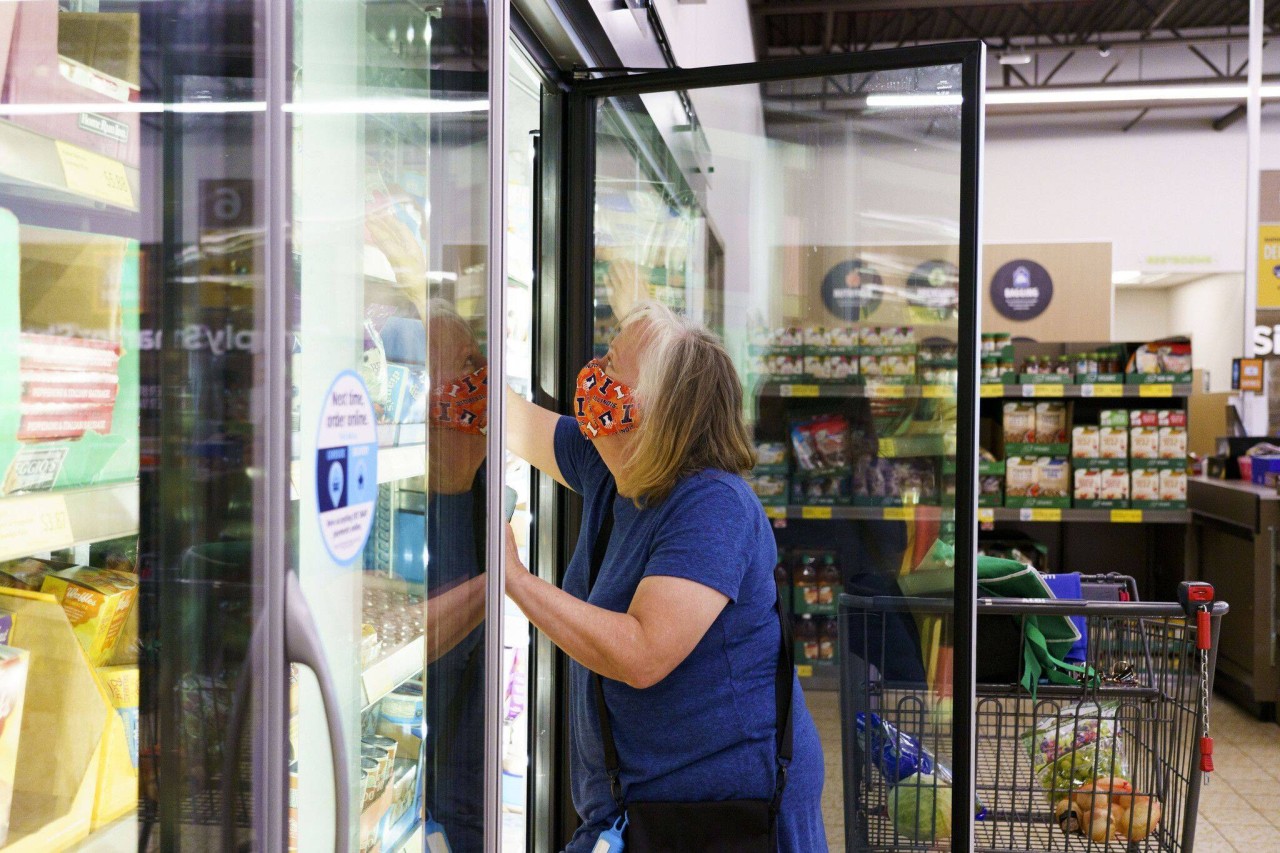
(34, 165)
(385, 675)
(395, 463)
(48, 521)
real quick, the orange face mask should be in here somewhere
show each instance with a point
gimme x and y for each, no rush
(463, 404)
(603, 405)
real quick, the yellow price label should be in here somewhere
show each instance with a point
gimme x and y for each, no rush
(899, 513)
(1102, 390)
(817, 513)
(36, 523)
(1159, 390)
(1040, 514)
(986, 515)
(804, 670)
(888, 448)
(1053, 390)
(988, 389)
(937, 392)
(775, 512)
(885, 391)
(799, 391)
(1126, 516)
(95, 176)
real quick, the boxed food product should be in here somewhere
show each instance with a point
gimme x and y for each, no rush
(1088, 485)
(869, 336)
(97, 603)
(991, 490)
(1019, 477)
(1114, 418)
(1085, 442)
(1114, 484)
(121, 686)
(815, 338)
(822, 489)
(869, 365)
(822, 443)
(1144, 442)
(831, 368)
(6, 627)
(1144, 417)
(771, 456)
(897, 336)
(771, 489)
(1162, 357)
(898, 365)
(1053, 477)
(1173, 442)
(1144, 484)
(1113, 442)
(1051, 423)
(1172, 417)
(70, 305)
(1173, 485)
(782, 337)
(89, 60)
(782, 365)
(26, 573)
(14, 664)
(1019, 422)
(843, 338)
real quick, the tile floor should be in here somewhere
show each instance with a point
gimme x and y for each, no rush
(1239, 810)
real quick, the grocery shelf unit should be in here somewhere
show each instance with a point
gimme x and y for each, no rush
(1147, 543)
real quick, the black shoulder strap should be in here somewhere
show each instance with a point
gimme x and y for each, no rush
(782, 683)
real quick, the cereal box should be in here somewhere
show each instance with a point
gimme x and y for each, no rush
(1053, 477)
(1173, 442)
(1051, 423)
(1020, 477)
(1085, 443)
(13, 688)
(1019, 422)
(1113, 442)
(1114, 484)
(1173, 485)
(1144, 442)
(1088, 484)
(1144, 484)
(96, 602)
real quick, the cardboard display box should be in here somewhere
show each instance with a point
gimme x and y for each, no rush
(68, 313)
(76, 58)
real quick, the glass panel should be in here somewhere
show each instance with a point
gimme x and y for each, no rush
(390, 238)
(819, 234)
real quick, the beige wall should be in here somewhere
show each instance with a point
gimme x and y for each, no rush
(1081, 306)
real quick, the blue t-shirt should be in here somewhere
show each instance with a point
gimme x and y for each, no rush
(706, 731)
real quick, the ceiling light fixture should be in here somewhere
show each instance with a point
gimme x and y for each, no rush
(1020, 58)
(911, 101)
(1123, 94)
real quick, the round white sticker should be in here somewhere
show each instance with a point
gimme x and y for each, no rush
(346, 467)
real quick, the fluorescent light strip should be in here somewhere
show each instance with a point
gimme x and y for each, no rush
(406, 106)
(915, 101)
(1093, 95)
(355, 106)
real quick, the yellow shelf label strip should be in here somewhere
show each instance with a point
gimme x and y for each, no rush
(775, 511)
(804, 670)
(1126, 516)
(1102, 390)
(886, 391)
(986, 515)
(798, 391)
(817, 513)
(988, 389)
(1040, 514)
(1161, 390)
(939, 392)
(1052, 390)
(899, 513)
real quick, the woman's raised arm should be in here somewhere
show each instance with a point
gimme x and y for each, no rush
(531, 433)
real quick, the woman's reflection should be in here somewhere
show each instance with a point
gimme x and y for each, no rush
(454, 690)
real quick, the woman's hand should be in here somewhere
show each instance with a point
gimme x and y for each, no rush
(515, 568)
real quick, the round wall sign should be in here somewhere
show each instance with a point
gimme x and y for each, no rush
(851, 291)
(1021, 290)
(346, 467)
(933, 291)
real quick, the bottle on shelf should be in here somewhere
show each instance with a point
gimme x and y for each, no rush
(781, 574)
(1064, 366)
(807, 638)
(828, 640)
(805, 580)
(829, 580)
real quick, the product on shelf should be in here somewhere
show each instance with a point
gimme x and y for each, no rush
(831, 368)
(1088, 484)
(1115, 484)
(1161, 357)
(1085, 442)
(1144, 442)
(6, 627)
(27, 573)
(877, 481)
(1019, 422)
(1144, 484)
(69, 303)
(1043, 481)
(771, 489)
(14, 664)
(1173, 442)
(1051, 423)
(121, 685)
(1173, 485)
(771, 456)
(97, 603)
(822, 443)
(834, 489)
(1113, 442)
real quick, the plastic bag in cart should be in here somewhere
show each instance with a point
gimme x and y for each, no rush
(1076, 747)
(901, 758)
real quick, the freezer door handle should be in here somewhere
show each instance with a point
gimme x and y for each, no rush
(302, 645)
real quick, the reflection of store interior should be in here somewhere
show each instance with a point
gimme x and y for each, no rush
(183, 292)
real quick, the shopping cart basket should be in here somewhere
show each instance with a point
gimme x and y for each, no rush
(1138, 713)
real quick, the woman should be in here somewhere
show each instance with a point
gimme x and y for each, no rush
(680, 622)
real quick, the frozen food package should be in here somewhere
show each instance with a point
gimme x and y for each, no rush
(770, 453)
(97, 603)
(822, 443)
(1053, 477)
(1020, 477)
(26, 573)
(121, 686)
(14, 664)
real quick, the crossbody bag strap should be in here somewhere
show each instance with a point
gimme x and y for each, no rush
(598, 550)
(783, 696)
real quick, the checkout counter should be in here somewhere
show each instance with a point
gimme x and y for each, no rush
(1232, 544)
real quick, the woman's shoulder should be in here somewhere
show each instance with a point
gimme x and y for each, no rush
(712, 487)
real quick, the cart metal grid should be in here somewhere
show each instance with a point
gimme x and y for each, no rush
(1154, 712)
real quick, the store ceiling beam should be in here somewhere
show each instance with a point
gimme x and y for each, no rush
(1225, 121)
(1161, 15)
(771, 8)
(1139, 117)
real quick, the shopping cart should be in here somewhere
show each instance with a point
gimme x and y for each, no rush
(1139, 712)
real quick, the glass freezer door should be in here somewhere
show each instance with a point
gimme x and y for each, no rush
(822, 216)
(389, 338)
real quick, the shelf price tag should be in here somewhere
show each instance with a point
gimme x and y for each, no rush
(888, 448)
(34, 523)
(989, 389)
(986, 515)
(1101, 390)
(775, 512)
(940, 392)
(899, 513)
(817, 513)
(1040, 514)
(804, 670)
(886, 391)
(1126, 516)
(1157, 390)
(95, 176)
(1047, 390)
(798, 391)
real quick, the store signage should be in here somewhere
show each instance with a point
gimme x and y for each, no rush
(933, 290)
(1021, 290)
(1269, 266)
(851, 290)
(346, 467)
(1246, 374)
(1266, 339)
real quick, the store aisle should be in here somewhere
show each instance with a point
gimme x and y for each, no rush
(1239, 810)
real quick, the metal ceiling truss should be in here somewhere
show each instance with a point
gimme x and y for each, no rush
(1052, 33)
